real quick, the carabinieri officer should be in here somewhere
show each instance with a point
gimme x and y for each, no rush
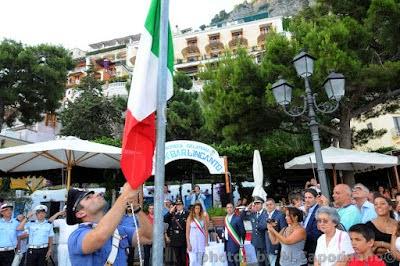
(8, 235)
(41, 235)
(100, 238)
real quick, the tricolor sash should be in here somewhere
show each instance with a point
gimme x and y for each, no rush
(198, 224)
(236, 238)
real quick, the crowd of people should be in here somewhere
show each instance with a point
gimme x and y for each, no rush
(358, 227)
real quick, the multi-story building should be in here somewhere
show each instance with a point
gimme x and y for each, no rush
(388, 122)
(194, 49)
(113, 62)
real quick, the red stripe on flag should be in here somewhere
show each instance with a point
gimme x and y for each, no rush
(138, 149)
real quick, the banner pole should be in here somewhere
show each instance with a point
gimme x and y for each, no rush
(158, 231)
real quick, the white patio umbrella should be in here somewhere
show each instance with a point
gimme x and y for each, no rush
(258, 175)
(344, 159)
(66, 153)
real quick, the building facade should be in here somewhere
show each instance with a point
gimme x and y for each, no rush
(388, 122)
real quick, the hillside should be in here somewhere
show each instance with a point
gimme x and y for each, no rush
(272, 7)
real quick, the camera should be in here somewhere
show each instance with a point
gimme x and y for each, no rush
(271, 221)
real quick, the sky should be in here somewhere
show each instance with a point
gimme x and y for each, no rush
(77, 23)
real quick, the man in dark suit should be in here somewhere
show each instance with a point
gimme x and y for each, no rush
(274, 216)
(234, 235)
(310, 223)
(258, 218)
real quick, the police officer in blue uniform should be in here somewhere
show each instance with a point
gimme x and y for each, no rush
(100, 238)
(258, 218)
(40, 242)
(8, 234)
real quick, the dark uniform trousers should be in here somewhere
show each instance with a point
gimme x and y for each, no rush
(6, 257)
(147, 254)
(36, 257)
(177, 233)
(233, 259)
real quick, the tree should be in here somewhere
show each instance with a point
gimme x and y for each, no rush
(361, 43)
(185, 119)
(93, 116)
(234, 105)
(32, 80)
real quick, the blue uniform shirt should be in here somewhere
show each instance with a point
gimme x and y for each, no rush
(39, 232)
(8, 233)
(99, 257)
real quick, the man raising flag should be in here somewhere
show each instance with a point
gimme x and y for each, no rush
(139, 132)
(150, 89)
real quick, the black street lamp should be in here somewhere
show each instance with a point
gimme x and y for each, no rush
(334, 88)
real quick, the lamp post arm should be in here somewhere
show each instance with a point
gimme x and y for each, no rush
(313, 125)
(296, 111)
(327, 107)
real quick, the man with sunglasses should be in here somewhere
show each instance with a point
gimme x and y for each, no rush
(100, 238)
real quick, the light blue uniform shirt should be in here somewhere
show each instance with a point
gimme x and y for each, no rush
(99, 257)
(8, 233)
(198, 198)
(39, 232)
(368, 212)
(349, 215)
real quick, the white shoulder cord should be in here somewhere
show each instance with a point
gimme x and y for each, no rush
(137, 237)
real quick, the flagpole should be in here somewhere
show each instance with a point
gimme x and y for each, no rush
(158, 232)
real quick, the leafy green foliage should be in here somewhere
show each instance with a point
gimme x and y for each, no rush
(185, 120)
(32, 80)
(234, 104)
(92, 115)
(362, 136)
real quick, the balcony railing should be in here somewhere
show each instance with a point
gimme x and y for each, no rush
(214, 47)
(191, 51)
(236, 42)
(115, 89)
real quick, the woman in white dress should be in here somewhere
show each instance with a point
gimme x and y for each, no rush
(334, 246)
(196, 234)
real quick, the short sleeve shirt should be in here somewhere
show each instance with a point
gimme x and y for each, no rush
(39, 232)
(349, 215)
(371, 261)
(99, 257)
(338, 246)
(8, 233)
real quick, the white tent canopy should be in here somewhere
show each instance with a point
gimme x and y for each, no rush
(344, 159)
(61, 153)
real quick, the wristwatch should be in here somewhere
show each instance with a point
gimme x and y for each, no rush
(137, 209)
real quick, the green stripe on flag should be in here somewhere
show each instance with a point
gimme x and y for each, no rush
(152, 25)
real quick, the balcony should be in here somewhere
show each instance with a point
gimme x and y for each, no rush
(261, 39)
(238, 42)
(214, 47)
(115, 89)
(191, 51)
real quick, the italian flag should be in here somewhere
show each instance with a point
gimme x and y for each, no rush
(140, 132)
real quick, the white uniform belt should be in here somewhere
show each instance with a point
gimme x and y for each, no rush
(7, 248)
(39, 246)
(114, 249)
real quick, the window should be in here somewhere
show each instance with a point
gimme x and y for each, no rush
(237, 34)
(191, 42)
(396, 121)
(264, 29)
(214, 38)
